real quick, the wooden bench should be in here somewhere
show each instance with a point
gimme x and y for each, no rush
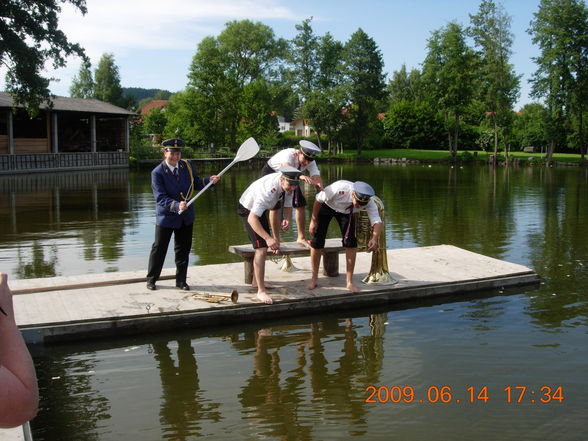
(330, 256)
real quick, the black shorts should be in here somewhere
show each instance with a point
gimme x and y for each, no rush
(346, 225)
(255, 239)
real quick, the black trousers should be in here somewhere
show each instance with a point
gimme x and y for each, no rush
(346, 225)
(182, 245)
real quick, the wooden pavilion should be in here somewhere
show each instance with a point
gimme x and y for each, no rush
(75, 133)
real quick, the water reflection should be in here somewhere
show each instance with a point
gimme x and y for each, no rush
(183, 404)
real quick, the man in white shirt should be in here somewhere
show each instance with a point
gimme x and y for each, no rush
(340, 200)
(302, 159)
(261, 196)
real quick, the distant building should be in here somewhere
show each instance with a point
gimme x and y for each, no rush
(75, 133)
(284, 125)
(155, 104)
(301, 127)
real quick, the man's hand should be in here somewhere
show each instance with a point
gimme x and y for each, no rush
(183, 205)
(373, 243)
(273, 245)
(312, 227)
(285, 224)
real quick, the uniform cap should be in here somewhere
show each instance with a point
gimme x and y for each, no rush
(309, 149)
(291, 174)
(173, 145)
(363, 192)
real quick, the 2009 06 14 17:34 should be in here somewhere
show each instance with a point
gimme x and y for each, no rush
(471, 394)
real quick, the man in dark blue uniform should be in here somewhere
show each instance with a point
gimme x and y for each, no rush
(173, 182)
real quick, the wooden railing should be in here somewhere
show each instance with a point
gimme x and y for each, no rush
(33, 162)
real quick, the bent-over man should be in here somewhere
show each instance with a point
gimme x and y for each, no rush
(302, 159)
(340, 200)
(271, 192)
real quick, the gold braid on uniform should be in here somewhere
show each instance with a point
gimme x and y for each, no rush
(379, 273)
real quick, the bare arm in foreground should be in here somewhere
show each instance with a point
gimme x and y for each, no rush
(19, 396)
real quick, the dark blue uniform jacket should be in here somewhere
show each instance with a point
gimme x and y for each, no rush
(169, 192)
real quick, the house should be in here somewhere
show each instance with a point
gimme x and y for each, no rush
(154, 104)
(283, 125)
(75, 133)
(301, 127)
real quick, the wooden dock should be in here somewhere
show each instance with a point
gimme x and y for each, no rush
(114, 304)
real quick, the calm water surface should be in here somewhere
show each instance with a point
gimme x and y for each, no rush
(306, 378)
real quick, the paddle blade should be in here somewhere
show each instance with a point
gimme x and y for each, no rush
(248, 150)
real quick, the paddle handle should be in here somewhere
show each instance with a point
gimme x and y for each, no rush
(207, 186)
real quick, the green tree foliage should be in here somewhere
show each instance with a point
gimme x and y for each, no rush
(530, 126)
(560, 29)
(413, 124)
(221, 70)
(318, 77)
(155, 121)
(107, 82)
(405, 86)
(499, 87)
(304, 60)
(364, 84)
(82, 85)
(30, 38)
(449, 74)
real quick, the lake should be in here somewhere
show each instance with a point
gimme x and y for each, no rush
(486, 366)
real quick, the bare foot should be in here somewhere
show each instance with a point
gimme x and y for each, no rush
(304, 242)
(312, 284)
(264, 298)
(351, 287)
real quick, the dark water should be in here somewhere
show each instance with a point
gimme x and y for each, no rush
(310, 378)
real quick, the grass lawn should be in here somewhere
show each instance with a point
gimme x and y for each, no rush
(443, 155)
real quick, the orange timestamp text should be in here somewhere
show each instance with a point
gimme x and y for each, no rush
(471, 394)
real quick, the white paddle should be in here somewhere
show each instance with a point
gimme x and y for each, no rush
(247, 151)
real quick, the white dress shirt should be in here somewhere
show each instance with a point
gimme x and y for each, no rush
(338, 196)
(290, 156)
(264, 194)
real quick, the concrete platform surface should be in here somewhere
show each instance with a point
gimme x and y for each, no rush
(111, 304)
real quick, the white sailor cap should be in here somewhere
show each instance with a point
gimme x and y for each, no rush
(309, 149)
(363, 192)
(291, 174)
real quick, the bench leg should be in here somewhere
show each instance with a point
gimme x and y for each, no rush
(331, 264)
(248, 266)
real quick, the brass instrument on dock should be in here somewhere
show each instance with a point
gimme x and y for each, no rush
(379, 273)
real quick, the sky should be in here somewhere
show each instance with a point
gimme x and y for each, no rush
(153, 41)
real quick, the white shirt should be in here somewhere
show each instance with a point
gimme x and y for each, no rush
(338, 196)
(264, 194)
(290, 156)
(171, 167)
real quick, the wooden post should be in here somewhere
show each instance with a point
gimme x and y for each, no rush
(331, 264)
(248, 265)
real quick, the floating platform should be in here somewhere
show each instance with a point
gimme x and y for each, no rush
(114, 304)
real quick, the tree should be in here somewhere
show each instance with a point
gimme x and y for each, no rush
(499, 85)
(323, 105)
(530, 126)
(449, 75)
(560, 28)
(304, 59)
(412, 124)
(107, 82)
(29, 38)
(364, 84)
(405, 86)
(82, 85)
(222, 67)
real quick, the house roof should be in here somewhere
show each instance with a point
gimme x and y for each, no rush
(144, 110)
(61, 103)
